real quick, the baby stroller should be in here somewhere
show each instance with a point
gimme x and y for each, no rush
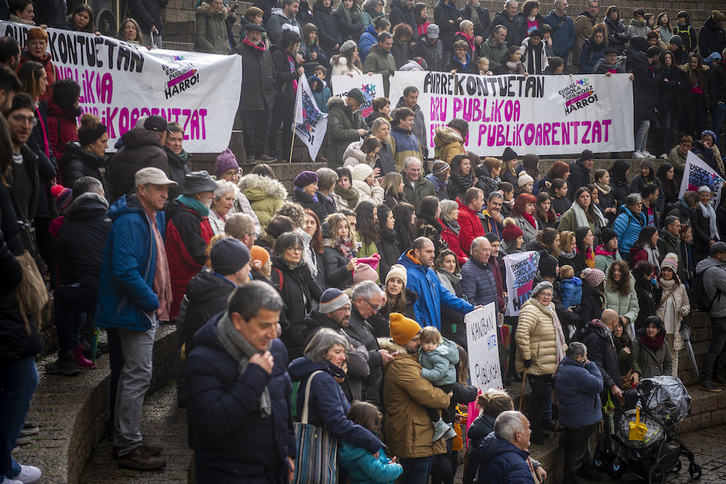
(663, 401)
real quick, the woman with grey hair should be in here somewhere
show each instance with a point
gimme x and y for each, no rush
(327, 178)
(221, 205)
(323, 367)
(372, 9)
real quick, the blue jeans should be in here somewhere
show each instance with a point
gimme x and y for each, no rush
(641, 137)
(18, 380)
(713, 362)
(416, 470)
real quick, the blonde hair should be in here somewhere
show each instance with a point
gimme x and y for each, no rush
(429, 334)
(494, 401)
(567, 238)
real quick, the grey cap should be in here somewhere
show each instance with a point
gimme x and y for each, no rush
(357, 95)
(197, 182)
(154, 176)
(542, 286)
(717, 248)
(432, 32)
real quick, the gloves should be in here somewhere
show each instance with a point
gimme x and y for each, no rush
(527, 363)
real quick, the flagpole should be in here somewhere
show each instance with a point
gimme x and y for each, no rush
(292, 144)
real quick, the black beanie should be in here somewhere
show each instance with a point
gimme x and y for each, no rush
(548, 266)
(607, 235)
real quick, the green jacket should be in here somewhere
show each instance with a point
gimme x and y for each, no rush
(493, 52)
(211, 31)
(266, 196)
(415, 196)
(379, 61)
(343, 126)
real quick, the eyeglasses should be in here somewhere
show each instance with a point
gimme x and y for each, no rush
(254, 236)
(19, 118)
(295, 249)
(373, 307)
(545, 294)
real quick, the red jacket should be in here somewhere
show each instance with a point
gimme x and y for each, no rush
(452, 238)
(470, 224)
(61, 129)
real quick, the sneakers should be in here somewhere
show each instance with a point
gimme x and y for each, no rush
(450, 434)
(664, 156)
(707, 386)
(28, 475)
(137, 461)
(638, 155)
(26, 433)
(10, 481)
(647, 154)
(440, 428)
(65, 365)
(265, 158)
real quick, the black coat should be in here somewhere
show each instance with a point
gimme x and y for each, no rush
(206, 296)
(258, 90)
(483, 28)
(141, 149)
(328, 32)
(645, 87)
(52, 13)
(561, 205)
(711, 38)
(579, 177)
(671, 90)
(389, 251)
(362, 330)
(77, 162)
(178, 168)
(591, 305)
(307, 201)
(601, 350)
(379, 321)
(147, 13)
(283, 76)
(401, 14)
(443, 13)
(336, 273)
(649, 296)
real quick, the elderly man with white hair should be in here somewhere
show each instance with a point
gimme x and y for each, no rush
(477, 278)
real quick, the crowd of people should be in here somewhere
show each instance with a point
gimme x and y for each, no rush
(345, 299)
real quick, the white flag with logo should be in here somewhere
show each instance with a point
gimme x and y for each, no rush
(698, 174)
(310, 122)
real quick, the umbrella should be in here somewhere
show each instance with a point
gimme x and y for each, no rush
(686, 336)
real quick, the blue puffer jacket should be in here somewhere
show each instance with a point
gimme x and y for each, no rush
(628, 227)
(224, 407)
(478, 283)
(571, 292)
(369, 37)
(503, 463)
(328, 406)
(363, 468)
(578, 391)
(431, 294)
(438, 365)
(125, 296)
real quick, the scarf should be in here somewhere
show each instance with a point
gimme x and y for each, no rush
(291, 61)
(162, 277)
(653, 256)
(560, 343)
(589, 257)
(567, 255)
(452, 225)
(259, 47)
(454, 279)
(709, 213)
(534, 58)
(345, 246)
(653, 343)
(350, 195)
(439, 184)
(583, 221)
(474, 15)
(193, 204)
(469, 40)
(336, 371)
(605, 189)
(300, 191)
(530, 218)
(241, 350)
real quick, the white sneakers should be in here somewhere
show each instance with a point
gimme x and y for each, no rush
(10, 481)
(638, 155)
(28, 475)
(647, 154)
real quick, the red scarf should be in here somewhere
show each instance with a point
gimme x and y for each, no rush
(261, 46)
(653, 343)
(530, 218)
(471, 40)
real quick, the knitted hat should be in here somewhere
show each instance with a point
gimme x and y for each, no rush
(440, 168)
(361, 171)
(509, 154)
(548, 266)
(670, 261)
(333, 299)
(402, 329)
(567, 272)
(305, 178)
(607, 235)
(541, 287)
(717, 16)
(364, 272)
(397, 270)
(225, 161)
(511, 232)
(347, 45)
(717, 248)
(710, 133)
(63, 198)
(258, 257)
(524, 179)
(593, 277)
(229, 256)
(649, 163)
(587, 155)
(676, 39)
(88, 136)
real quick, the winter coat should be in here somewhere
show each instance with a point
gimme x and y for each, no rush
(515, 29)
(381, 62)
(601, 350)
(535, 339)
(401, 52)
(187, 235)
(628, 226)
(363, 467)
(61, 128)
(211, 30)
(367, 193)
(433, 54)
(367, 39)
(579, 177)
(307, 201)
(482, 426)
(452, 322)
(328, 32)
(404, 144)
(141, 149)
(266, 196)
(538, 54)
(343, 126)
(205, 297)
(321, 92)
(278, 23)
(327, 405)
(431, 294)
(258, 89)
(443, 13)
(645, 87)
(590, 55)
(470, 226)
(147, 13)
(603, 258)
(584, 23)
(129, 265)
(529, 231)
(482, 28)
(617, 34)
(591, 306)
(419, 126)
(449, 143)
(178, 169)
(649, 295)
(284, 77)
(711, 38)
(638, 28)
(563, 34)
(468, 67)
(648, 363)
(409, 432)
(369, 16)
(625, 305)
(561, 205)
(401, 14)
(81, 241)
(578, 393)
(50, 69)
(568, 221)
(451, 238)
(501, 462)
(224, 407)
(672, 308)
(671, 90)
(716, 281)
(77, 162)
(309, 64)
(438, 366)
(349, 21)
(422, 189)
(478, 283)
(571, 291)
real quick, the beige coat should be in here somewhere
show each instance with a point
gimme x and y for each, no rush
(536, 339)
(673, 307)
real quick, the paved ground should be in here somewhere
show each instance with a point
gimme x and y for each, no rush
(164, 424)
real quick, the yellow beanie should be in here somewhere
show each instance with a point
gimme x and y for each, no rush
(402, 328)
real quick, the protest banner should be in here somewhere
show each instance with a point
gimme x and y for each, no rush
(310, 122)
(483, 348)
(698, 174)
(546, 115)
(370, 86)
(120, 82)
(521, 269)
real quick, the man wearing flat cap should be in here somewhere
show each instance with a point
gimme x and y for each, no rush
(345, 125)
(134, 297)
(713, 271)
(188, 233)
(143, 146)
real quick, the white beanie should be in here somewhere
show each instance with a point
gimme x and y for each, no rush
(361, 171)
(524, 179)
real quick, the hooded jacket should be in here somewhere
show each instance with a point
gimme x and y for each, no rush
(711, 38)
(535, 339)
(211, 30)
(278, 23)
(381, 62)
(364, 468)
(224, 408)
(431, 294)
(77, 162)
(715, 282)
(367, 39)
(343, 126)
(627, 225)
(438, 366)
(501, 462)
(129, 265)
(578, 392)
(205, 297)
(419, 124)
(141, 149)
(266, 196)
(449, 143)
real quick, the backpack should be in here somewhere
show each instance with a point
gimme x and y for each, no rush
(698, 294)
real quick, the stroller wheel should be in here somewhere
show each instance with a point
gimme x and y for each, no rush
(676, 468)
(656, 475)
(694, 470)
